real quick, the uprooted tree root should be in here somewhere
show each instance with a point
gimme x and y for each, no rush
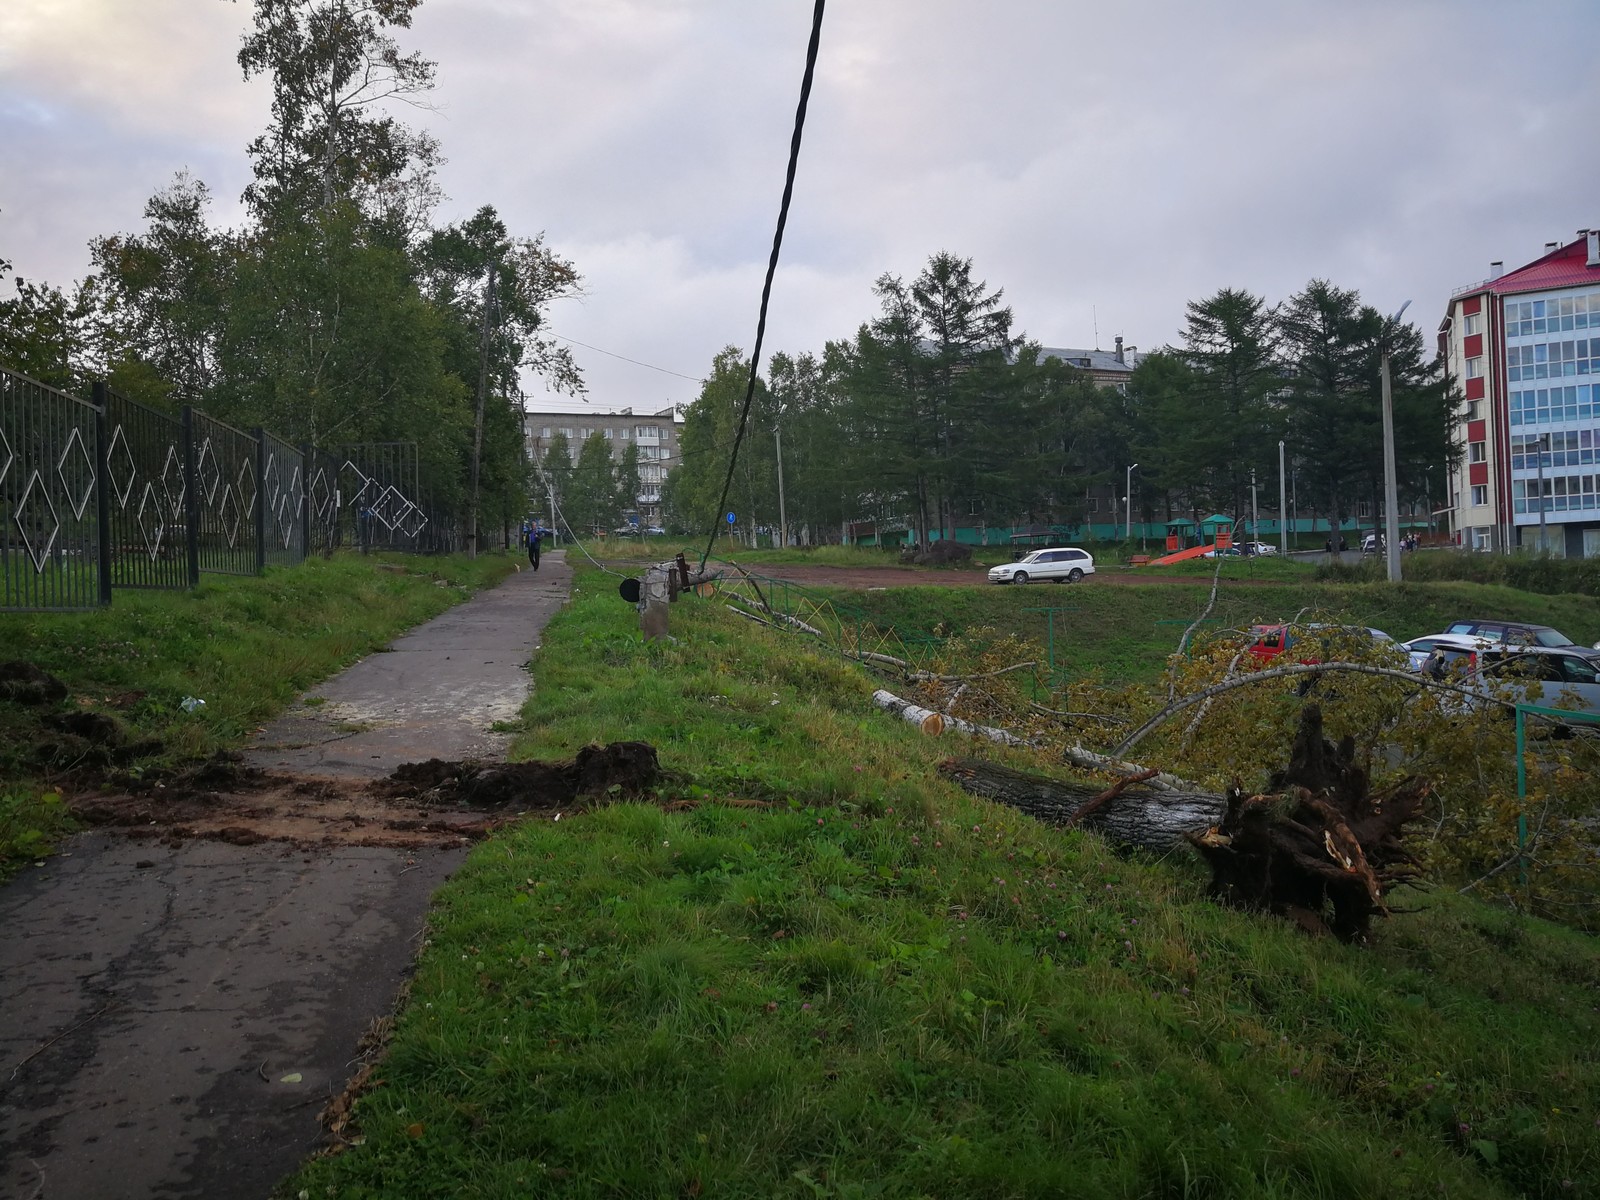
(433, 803)
(1319, 847)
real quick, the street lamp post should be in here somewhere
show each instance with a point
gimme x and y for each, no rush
(1255, 514)
(1127, 530)
(783, 519)
(1391, 490)
(1283, 506)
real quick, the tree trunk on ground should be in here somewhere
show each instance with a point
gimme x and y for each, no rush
(1138, 816)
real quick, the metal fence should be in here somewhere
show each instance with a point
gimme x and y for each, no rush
(145, 493)
(114, 494)
(51, 550)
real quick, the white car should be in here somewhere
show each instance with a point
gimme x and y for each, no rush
(1063, 564)
(1451, 646)
(1258, 547)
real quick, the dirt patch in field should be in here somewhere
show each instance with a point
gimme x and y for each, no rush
(861, 578)
(434, 803)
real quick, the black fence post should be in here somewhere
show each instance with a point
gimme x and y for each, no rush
(261, 500)
(102, 499)
(191, 496)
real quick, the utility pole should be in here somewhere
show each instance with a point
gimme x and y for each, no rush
(1391, 490)
(783, 520)
(477, 427)
(1283, 505)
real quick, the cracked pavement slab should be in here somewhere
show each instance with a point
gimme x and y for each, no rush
(175, 1014)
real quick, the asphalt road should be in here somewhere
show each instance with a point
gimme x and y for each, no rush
(175, 1013)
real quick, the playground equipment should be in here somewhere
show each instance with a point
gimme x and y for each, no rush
(1219, 527)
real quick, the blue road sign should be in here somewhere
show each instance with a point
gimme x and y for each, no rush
(730, 518)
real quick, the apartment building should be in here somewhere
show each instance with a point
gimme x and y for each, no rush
(1526, 346)
(656, 435)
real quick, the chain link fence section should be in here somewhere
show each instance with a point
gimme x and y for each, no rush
(51, 553)
(145, 489)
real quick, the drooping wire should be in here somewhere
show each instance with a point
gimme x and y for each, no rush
(636, 362)
(772, 269)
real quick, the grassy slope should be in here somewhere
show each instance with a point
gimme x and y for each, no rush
(246, 646)
(881, 987)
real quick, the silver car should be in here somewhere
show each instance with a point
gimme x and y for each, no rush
(1062, 564)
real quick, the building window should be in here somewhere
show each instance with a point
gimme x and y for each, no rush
(609, 433)
(1363, 509)
(1474, 409)
(566, 432)
(626, 432)
(1472, 323)
(545, 432)
(1480, 494)
(1475, 367)
(1478, 452)
(1480, 537)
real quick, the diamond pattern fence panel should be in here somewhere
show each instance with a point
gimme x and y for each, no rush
(224, 495)
(383, 501)
(283, 497)
(322, 501)
(51, 552)
(146, 494)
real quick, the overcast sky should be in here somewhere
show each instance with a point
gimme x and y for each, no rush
(1103, 163)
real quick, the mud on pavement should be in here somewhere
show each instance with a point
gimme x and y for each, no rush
(432, 804)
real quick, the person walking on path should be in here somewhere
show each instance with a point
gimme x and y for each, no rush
(533, 545)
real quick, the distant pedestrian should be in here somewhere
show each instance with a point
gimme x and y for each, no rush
(533, 545)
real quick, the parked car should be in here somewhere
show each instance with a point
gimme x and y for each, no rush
(1372, 544)
(1063, 564)
(1226, 552)
(1457, 651)
(1311, 643)
(1516, 633)
(1258, 548)
(1550, 676)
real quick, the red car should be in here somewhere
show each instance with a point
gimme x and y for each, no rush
(1310, 642)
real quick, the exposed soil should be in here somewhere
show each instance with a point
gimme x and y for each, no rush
(862, 578)
(434, 803)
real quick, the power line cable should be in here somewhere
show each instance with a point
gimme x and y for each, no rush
(626, 359)
(772, 267)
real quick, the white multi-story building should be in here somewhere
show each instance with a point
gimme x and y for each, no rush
(1526, 346)
(656, 436)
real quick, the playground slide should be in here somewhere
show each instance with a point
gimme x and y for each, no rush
(1180, 555)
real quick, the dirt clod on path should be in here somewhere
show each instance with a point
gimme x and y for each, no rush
(433, 803)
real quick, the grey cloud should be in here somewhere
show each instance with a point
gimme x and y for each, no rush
(1098, 162)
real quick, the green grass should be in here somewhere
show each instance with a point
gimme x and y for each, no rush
(245, 645)
(878, 986)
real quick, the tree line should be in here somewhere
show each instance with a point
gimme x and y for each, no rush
(937, 414)
(339, 311)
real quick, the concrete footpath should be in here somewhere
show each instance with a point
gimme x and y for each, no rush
(174, 1014)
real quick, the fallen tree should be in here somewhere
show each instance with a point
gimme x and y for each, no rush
(1130, 812)
(1318, 846)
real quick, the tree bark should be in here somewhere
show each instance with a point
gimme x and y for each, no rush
(1139, 816)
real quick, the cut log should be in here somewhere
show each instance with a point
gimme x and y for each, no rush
(1138, 816)
(936, 722)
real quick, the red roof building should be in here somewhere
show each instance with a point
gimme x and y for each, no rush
(1526, 346)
